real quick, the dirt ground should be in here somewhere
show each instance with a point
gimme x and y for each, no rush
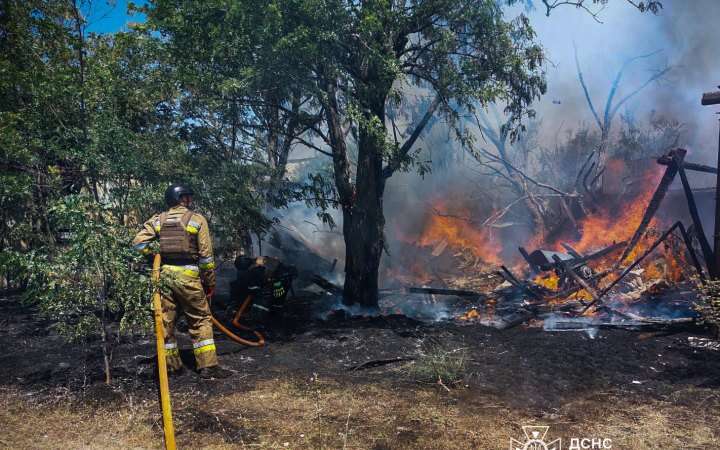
(313, 388)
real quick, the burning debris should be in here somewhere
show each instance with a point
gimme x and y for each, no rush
(622, 270)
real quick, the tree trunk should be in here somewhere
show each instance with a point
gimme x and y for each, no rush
(107, 354)
(364, 220)
(363, 225)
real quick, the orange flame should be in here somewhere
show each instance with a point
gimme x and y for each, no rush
(460, 234)
(610, 225)
(548, 280)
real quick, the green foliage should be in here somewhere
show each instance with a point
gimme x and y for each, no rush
(87, 281)
(439, 364)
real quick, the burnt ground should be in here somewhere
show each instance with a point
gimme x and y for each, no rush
(312, 387)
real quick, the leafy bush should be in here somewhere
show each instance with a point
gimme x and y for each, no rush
(87, 283)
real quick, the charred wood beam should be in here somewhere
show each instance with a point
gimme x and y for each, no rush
(543, 259)
(635, 263)
(677, 156)
(512, 279)
(577, 278)
(574, 253)
(581, 172)
(526, 256)
(692, 207)
(647, 322)
(716, 235)
(690, 166)
(432, 290)
(691, 251)
(378, 363)
(518, 318)
(598, 254)
(441, 291)
(710, 98)
(327, 285)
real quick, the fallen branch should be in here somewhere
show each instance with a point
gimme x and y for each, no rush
(327, 285)
(378, 363)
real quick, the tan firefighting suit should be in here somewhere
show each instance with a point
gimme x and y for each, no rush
(182, 287)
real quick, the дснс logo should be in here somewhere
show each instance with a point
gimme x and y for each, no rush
(535, 440)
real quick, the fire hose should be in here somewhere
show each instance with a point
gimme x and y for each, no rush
(236, 323)
(168, 427)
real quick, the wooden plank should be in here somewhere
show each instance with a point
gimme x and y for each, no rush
(677, 156)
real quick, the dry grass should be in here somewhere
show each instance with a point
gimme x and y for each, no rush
(58, 423)
(324, 414)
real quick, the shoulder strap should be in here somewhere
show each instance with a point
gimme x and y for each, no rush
(186, 218)
(163, 218)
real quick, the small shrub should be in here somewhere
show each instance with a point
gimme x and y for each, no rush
(439, 364)
(87, 283)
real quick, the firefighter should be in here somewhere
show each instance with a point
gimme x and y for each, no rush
(187, 278)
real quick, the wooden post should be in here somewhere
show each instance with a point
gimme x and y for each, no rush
(695, 216)
(713, 98)
(716, 241)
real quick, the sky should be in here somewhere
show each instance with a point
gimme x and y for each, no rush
(682, 35)
(111, 16)
(684, 38)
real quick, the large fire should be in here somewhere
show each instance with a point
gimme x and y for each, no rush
(617, 223)
(607, 225)
(613, 220)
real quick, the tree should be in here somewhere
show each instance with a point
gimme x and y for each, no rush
(502, 165)
(363, 56)
(240, 109)
(39, 123)
(335, 67)
(85, 147)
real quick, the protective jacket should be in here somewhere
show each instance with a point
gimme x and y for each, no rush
(185, 241)
(187, 267)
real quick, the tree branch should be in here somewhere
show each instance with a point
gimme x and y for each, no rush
(396, 162)
(585, 89)
(341, 165)
(632, 94)
(616, 83)
(653, 6)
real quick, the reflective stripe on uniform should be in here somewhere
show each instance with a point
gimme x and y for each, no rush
(171, 349)
(203, 346)
(207, 263)
(192, 227)
(203, 343)
(156, 225)
(189, 270)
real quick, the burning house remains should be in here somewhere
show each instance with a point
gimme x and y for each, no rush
(626, 265)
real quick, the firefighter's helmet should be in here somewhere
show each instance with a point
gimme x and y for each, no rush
(175, 192)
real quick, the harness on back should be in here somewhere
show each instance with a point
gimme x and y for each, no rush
(178, 245)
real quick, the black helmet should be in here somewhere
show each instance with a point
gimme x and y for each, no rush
(174, 192)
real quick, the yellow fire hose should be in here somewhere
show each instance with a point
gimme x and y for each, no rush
(162, 364)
